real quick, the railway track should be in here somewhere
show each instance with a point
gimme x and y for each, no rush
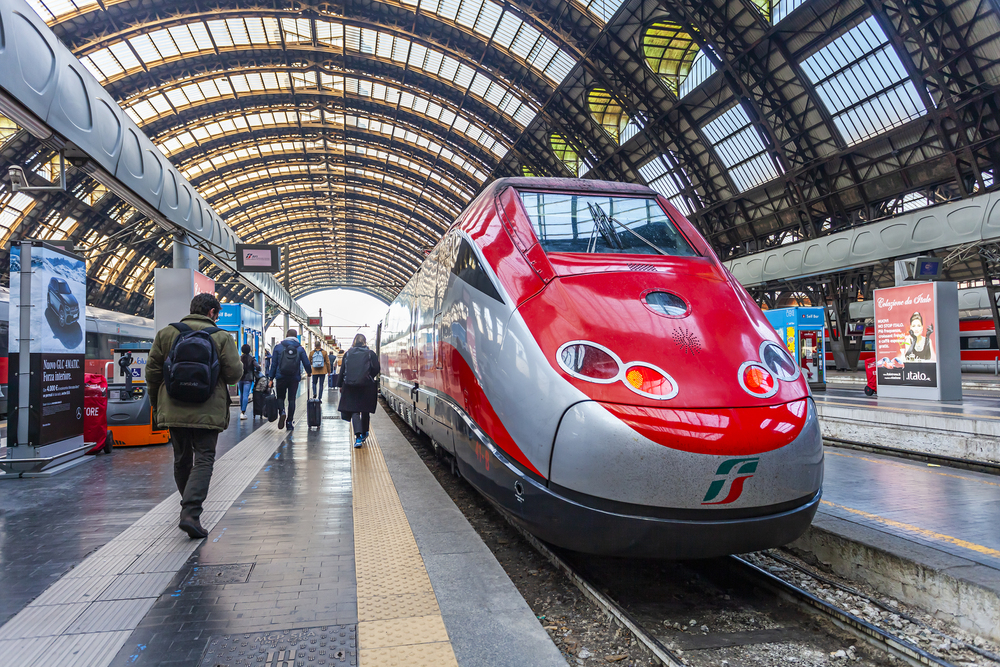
(667, 652)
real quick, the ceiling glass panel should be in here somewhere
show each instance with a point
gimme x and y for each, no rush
(863, 84)
(740, 149)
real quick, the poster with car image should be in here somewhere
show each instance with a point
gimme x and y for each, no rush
(55, 339)
(905, 345)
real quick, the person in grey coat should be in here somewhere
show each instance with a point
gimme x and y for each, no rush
(359, 370)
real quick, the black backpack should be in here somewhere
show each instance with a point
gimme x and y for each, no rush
(357, 367)
(288, 363)
(191, 369)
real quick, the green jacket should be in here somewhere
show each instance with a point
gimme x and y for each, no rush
(213, 414)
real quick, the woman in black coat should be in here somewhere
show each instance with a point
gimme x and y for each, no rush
(358, 391)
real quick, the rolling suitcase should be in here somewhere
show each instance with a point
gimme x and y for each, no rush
(314, 412)
(258, 403)
(271, 407)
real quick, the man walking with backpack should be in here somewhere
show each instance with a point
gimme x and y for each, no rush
(190, 366)
(320, 368)
(287, 358)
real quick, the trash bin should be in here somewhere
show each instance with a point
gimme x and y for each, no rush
(95, 413)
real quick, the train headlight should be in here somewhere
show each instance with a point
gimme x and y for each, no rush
(589, 361)
(757, 380)
(776, 359)
(649, 381)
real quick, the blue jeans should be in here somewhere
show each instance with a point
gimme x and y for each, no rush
(245, 389)
(318, 381)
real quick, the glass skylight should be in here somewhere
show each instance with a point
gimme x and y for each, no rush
(505, 30)
(149, 107)
(602, 10)
(863, 84)
(54, 10)
(662, 174)
(159, 46)
(740, 149)
(701, 69)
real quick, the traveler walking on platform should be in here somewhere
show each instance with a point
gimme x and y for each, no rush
(320, 362)
(286, 359)
(251, 369)
(188, 372)
(358, 391)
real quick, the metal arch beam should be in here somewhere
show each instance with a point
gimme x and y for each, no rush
(298, 132)
(292, 206)
(472, 152)
(339, 179)
(563, 34)
(460, 52)
(169, 85)
(188, 71)
(418, 155)
(260, 185)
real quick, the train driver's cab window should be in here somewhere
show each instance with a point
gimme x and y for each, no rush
(603, 224)
(981, 342)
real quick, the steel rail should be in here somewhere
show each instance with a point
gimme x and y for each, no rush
(877, 603)
(872, 635)
(875, 636)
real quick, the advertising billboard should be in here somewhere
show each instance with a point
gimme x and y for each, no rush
(47, 349)
(905, 347)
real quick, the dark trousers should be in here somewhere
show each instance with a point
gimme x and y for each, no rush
(320, 381)
(194, 459)
(360, 422)
(290, 385)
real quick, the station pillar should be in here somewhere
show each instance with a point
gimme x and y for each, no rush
(185, 257)
(258, 302)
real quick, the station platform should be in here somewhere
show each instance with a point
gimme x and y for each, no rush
(924, 534)
(966, 429)
(318, 554)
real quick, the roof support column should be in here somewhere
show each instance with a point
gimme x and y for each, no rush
(185, 256)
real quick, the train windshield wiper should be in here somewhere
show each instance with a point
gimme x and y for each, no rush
(603, 220)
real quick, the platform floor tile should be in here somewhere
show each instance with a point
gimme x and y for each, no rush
(85, 618)
(405, 628)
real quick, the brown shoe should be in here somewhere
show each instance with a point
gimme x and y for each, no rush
(193, 528)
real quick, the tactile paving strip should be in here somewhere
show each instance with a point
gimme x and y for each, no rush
(335, 645)
(399, 621)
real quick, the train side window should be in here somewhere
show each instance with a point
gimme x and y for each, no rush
(979, 342)
(93, 345)
(468, 268)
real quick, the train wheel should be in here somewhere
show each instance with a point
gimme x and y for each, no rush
(868, 391)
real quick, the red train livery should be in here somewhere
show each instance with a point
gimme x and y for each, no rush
(593, 369)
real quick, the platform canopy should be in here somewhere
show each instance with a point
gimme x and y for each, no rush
(357, 131)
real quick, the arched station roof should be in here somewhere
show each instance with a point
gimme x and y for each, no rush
(358, 131)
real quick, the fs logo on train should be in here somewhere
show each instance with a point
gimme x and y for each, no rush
(734, 474)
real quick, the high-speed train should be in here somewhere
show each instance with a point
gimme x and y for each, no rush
(105, 330)
(594, 370)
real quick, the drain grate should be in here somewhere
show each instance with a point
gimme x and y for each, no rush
(335, 645)
(216, 575)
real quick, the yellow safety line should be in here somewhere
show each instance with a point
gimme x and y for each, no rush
(399, 621)
(956, 415)
(913, 467)
(923, 532)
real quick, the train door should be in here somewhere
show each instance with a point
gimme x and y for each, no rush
(438, 313)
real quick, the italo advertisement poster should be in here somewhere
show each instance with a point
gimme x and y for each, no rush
(905, 352)
(56, 341)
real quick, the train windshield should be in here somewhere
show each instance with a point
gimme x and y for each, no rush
(603, 224)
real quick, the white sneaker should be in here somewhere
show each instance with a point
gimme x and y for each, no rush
(243, 416)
